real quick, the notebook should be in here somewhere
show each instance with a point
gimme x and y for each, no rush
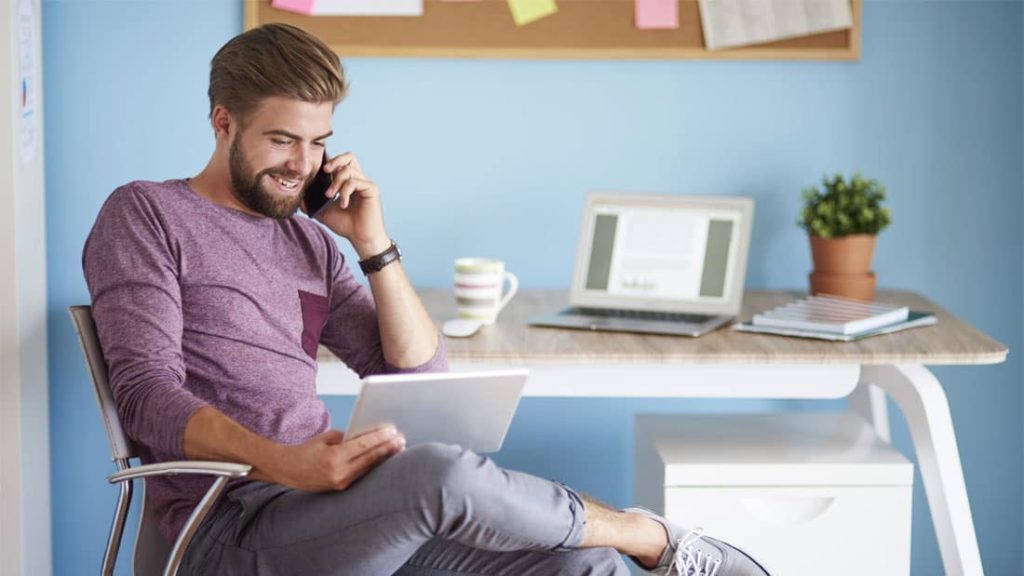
(915, 319)
(828, 317)
(824, 313)
(657, 264)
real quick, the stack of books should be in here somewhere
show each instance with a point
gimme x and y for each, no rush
(833, 318)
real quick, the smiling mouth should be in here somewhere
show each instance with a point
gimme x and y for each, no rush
(289, 185)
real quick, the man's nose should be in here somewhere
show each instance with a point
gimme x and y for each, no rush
(301, 160)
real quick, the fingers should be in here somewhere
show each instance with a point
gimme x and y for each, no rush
(346, 160)
(367, 441)
(346, 180)
(356, 468)
(368, 460)
(364, 452)
(355, 186)
(330, 437)
(338, 179)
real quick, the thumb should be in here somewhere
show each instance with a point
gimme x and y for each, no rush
(329, 437)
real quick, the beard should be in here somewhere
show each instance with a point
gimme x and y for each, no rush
(255, 190)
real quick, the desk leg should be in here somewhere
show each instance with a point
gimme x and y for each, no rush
(920, 397)
(869, 401)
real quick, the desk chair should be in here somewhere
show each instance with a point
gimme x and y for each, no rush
(152, 554)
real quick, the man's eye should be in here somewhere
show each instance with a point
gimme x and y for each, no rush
(280, 142)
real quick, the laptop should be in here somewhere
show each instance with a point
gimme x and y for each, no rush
(471, 409)
(658, 264)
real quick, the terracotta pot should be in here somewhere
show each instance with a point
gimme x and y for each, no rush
(856, 286)
(844, 255)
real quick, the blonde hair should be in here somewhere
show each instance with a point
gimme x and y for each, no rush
(274, 60)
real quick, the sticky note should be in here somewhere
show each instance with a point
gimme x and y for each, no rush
(300, 6)
(526, 11)
(657, 14)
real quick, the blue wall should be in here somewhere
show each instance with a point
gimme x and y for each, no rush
(933, 109)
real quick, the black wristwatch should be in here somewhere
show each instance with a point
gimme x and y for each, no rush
(377, 262)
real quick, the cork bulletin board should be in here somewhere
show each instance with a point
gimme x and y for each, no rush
(580, 29)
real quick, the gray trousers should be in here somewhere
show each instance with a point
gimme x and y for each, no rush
(430, 510)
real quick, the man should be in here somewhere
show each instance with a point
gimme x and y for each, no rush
(211, 296)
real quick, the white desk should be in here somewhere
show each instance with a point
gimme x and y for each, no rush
(728, 364)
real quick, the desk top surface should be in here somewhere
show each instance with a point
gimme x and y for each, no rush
(511, 340)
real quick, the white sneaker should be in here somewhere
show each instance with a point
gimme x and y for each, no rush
(691, 553)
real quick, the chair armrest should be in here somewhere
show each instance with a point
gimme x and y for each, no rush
(222, 470)
(225, 469)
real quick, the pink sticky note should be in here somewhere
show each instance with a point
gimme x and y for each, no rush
(656, 14)
(300, 6)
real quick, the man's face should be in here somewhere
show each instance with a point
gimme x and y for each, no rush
(276, 154)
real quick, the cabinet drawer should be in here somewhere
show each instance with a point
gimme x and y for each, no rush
(812, 530)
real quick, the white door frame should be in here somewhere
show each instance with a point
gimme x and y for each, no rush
(25, 539)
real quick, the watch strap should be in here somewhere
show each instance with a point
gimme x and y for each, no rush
(377, 262)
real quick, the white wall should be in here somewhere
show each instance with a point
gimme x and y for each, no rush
(24, 421)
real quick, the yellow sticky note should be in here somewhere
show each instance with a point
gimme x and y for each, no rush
(526, 11)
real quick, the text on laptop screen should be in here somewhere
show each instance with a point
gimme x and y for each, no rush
(661, 253)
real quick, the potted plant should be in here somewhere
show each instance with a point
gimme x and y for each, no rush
(842, 222)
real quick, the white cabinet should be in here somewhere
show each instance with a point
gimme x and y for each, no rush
(804, 493)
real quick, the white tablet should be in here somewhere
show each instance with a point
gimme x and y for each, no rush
(471, 409)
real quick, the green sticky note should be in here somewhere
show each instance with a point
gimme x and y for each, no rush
(526, 11)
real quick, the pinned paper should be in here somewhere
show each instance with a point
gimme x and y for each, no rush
(352, 7)
(729, 23)
(527, 11)
(657, 14)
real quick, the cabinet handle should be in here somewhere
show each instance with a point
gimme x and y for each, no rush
(787, 511)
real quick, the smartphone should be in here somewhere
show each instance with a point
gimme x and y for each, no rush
(314, 197)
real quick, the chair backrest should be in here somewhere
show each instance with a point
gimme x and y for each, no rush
(121, 447)
(151, 549)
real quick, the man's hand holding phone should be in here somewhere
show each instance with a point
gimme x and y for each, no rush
(349, 204)
(408, 335)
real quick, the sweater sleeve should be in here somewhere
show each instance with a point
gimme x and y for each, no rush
(131, 269)
(351, 331)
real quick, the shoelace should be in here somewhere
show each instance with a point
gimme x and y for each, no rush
(690, 562)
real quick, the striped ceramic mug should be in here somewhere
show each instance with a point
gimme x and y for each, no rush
(479, 284)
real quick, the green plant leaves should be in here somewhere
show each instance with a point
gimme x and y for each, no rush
(844, 208)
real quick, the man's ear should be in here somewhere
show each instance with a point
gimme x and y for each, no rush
(222, 122)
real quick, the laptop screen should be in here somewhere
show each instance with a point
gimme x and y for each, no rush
(668, 257)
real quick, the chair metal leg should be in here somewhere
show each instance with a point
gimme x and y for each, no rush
(124, 500)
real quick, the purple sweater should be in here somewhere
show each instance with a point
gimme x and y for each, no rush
(197, 304)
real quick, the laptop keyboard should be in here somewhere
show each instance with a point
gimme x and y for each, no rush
(641, 315)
